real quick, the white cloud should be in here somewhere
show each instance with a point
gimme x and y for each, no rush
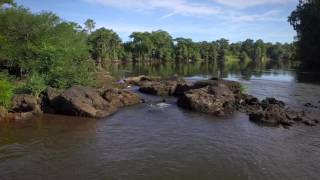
(185, 7)
(250, 3)
(235, 16)
(174, 6)
(235, 32)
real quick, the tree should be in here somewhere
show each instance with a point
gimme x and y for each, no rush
(105, 45)
(221, 60)
(184, 49)
(162, 44)
(306, 21)
(2, 2)
(89, 25)
(142, 46)
(44, 44)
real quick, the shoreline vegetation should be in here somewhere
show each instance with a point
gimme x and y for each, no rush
(48, 65)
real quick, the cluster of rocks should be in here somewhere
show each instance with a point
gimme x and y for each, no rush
(221, 97)
(75, 101)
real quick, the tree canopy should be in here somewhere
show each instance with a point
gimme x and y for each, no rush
(305, 19)
(45, 45)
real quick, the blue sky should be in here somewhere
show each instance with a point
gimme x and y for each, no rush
(200, 20)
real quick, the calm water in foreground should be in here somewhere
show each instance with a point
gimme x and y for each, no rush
(152, 141)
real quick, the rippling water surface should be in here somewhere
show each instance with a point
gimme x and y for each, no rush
(152, 141)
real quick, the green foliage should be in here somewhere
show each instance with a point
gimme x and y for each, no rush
(6, 90)
(35, 84)
(306, 21)
(105, 45)
(90, 25)
(76, 73)
(244, 88)
(45, 46)
(2, 2)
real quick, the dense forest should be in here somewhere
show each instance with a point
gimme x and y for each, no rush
(38, 50)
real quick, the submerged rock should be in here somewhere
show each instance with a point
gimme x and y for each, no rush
(214, 99)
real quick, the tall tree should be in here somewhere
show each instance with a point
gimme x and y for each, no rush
(306, 21)
(90, 25)
(105, 45)
(45, 45)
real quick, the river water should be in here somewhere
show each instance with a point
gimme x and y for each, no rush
(162, 141)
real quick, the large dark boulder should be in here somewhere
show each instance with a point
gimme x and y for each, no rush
(89, 102)
(214, 99)
(49, 98)
(83, 101)
(23, 103)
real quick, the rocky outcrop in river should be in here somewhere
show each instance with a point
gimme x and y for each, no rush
(88, 102)
(75, 101)
(216, 99)
(221, 97)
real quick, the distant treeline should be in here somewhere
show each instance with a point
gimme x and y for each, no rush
(159, 46)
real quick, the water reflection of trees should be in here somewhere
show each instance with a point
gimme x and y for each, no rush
(246, 71)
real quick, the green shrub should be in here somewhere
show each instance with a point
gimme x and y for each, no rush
(244, 88)
(6, 91)
(35, 85)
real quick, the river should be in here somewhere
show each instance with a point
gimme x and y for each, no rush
(162, 141)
